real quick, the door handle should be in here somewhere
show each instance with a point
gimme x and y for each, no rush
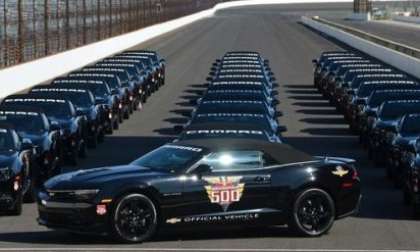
(262, 179)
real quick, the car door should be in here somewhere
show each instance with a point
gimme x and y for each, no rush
(235, 184)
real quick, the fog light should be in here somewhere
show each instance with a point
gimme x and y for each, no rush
(110, 115)
(16, 184)
(101, 209)
(120, 106)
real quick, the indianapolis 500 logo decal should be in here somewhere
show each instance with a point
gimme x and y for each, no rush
(224, 190)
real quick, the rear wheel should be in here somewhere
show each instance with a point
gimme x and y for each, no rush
(135, 218)
(313, 213)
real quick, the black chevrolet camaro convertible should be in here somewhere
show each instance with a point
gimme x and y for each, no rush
(203, 183)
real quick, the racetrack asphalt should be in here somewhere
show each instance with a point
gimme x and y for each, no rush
(313, 125)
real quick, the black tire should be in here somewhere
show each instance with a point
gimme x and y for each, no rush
(93, 142)
(134, 218)
(313, 213)
(82, 151)
(30, 194)
(17, 208)
(406, 196)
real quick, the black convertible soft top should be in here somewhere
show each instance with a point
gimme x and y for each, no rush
(282, 153)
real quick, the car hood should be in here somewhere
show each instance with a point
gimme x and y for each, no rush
(7, 158)
(386, 124)
(406, 141)
(98, 177)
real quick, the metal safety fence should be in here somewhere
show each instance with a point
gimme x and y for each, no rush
(31, 29)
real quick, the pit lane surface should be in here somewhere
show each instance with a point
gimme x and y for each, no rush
(314, 126)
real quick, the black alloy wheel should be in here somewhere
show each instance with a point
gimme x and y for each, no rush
(135, 218)
(313, 212)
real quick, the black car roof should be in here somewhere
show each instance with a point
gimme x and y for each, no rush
(224, 126)
(383, 75)
(52, 89)
(104, 69)
(282, 153)
(229, 114)
(92, 74)
(34, 98)
(396, 81)
(78, 81)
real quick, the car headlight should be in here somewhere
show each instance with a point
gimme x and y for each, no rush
(85, 194)
(5, 174)
(389, 137)
(371, 120)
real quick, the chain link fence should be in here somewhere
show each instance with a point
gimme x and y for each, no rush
(31, 29)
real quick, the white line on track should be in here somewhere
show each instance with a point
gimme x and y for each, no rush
(206, 250)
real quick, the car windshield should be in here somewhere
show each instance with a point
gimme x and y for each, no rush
(214, 107)
(26, 122)
(410, 126)
(258, 119)
(170, 158)
(241, 134)
(81, 99)
(393, 111)
(57, 110)
(6, 141)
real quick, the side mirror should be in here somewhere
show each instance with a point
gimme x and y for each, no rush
(194, 102)
(270, 73)
(266, 62)
(27, 144)
(162, 61)
(54, 126)
(209, 79)
(273, 79)
(315, 61)
(202, 169)
(274, 93)
(281, 129)
(213, 69)
(361, 102)
(215, 64)
(79, 113)
(218, 60)
(275, 103)
(178, 129)
(212, 73)
(279, 113)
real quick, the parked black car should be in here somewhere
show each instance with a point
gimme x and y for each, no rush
(354, 109)
(385, 126)
(18, 171)
(158, 63)
(205, 183)
(33, 124)
(369, 113)
(84, 103)
(403, 144)
(62, 113)
(109, 103)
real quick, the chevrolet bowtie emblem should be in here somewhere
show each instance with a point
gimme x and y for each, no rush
(339, 171)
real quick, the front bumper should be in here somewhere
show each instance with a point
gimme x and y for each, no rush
(7, 195)
(76, 217)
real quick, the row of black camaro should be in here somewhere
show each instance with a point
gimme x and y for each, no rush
(239, 101)
(382, 105)
(54, 124)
